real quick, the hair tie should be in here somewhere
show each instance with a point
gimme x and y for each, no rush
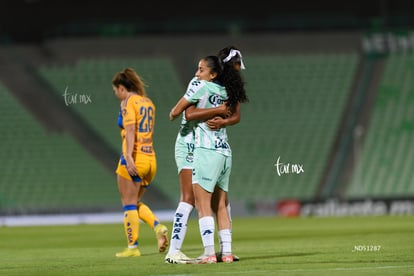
(232, 54)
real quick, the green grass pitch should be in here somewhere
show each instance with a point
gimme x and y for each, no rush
(266, 246)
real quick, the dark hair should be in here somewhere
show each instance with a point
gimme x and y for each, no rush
(224, 53)
(130, 79)
(214, 64)
(231, 77)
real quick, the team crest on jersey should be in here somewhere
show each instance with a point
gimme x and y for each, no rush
(190, 157)
(124, 111)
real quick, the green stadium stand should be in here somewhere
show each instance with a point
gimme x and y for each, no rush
(387, 157)
(296, 103)
(47, 172)
(93, 77)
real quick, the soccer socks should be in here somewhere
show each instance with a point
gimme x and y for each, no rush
(225, 241)
(131, 225)
(146, 215)
(207, 228)
(179, 226)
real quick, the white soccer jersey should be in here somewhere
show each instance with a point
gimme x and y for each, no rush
(206, 95)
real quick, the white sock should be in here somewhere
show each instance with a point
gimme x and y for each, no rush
(179, 229)
(225, 241)
(207, 229)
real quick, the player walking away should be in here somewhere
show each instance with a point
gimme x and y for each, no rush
(137, 165)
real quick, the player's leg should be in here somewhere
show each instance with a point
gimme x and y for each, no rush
(206, 224)
(228, 207)
(184, 157)
(180, 220)
(129, 191)
(161, 231)
(223, 225)
(147, 167)
(223, 213)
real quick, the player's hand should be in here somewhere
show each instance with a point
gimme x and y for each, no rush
(171, 116)
(225, 111)
(229, 112)
(216, 123)
(130, 165)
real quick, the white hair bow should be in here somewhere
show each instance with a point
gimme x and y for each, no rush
(232, 54)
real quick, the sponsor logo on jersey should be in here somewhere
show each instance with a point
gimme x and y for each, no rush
(215, 100)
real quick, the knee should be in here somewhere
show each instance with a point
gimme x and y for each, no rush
(188, 198)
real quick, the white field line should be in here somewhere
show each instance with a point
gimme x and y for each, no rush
(72, 219)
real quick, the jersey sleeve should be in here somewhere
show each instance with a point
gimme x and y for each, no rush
(129, 114)
(195, 90)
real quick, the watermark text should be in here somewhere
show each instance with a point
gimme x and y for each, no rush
(288, 168)
(75, 98)
(366, 248)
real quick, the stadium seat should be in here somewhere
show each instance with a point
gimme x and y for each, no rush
(296, 102)
(47, 172)
(384, 168)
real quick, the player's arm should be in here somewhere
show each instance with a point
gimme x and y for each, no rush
(202, 114)
(181, 105)
(129, 122)
(130, 141)
(219, 122)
